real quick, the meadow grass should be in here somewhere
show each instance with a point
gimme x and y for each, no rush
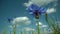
(52, 24)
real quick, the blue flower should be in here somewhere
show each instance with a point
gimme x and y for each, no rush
(36, 10)
(9, 20)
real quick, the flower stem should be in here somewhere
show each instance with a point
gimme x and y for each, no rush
(38, 29)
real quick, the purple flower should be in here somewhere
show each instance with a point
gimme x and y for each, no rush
(9, 19)
(36, 10)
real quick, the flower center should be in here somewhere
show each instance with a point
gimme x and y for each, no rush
(36, 13)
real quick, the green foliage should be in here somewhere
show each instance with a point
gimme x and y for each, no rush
(52, 24)
(32, 32)
(3, 32)
(21, 32)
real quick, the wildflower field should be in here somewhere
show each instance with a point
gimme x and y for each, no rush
(30, 17)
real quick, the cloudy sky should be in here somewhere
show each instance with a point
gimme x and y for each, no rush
(16, 10)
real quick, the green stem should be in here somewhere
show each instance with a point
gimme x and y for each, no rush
(32, 32)
(38, 28)
(21, 32)
(24, 32)
(10, 32)
(14, 29)
(51, 24)
(3, 32)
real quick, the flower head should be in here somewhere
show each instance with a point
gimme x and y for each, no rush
(9, 19)
(34, 9)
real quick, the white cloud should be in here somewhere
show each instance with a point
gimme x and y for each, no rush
(39, 2)
(21, 20)
(51, 10)
(42, 3)
(28, 4)
(39, 23)
(28, 29)
(44, 26)
(11, 27)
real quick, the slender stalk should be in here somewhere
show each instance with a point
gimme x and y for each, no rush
(52, 24)
(21, 32)
(57, 26)
(25, 32)
(9, 21)
(14, 29)
(3, 32)
(43, 30)
(38, 29)
(10, 32)
(32, 32)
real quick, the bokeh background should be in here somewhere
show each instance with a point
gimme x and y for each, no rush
(16, 10)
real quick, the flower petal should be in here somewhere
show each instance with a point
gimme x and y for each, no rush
(33, 7)
(31, 13)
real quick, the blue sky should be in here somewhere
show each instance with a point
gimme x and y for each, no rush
(15, 8)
